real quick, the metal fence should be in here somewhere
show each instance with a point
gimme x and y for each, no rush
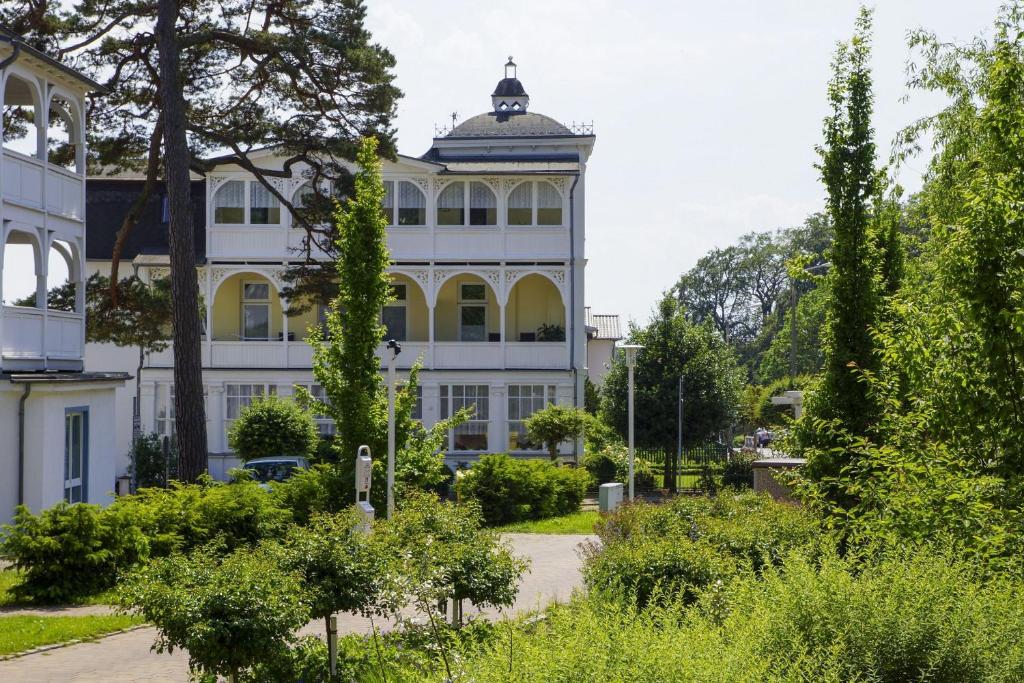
(699, 469)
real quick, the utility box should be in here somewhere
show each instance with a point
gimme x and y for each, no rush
(609, 496)
(364, 472)
(366, 512)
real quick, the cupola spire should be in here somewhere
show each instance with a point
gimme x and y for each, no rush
(509, 97)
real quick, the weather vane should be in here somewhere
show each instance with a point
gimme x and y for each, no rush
(455, 115)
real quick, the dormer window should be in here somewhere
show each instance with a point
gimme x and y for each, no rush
(412, 203)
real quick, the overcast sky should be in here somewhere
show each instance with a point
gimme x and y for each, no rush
(706, 113)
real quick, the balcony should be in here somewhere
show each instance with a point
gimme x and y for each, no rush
(34, 339)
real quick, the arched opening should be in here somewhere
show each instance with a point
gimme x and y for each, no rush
(20, 117)
(247, 307)
(404, 203)
(520, 205)
(229, 203)
(61, 278)
(549, 204)
(535, 311)
(467, 310)
(535, 203)
(483, 205)
(407, 316)
(451, 205)
(62, 136)
(21, 269)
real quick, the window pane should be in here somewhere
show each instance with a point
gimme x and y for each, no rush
(393, 318)
(229, 203)
(398, 292)
(256, 321)
(474, 319)
(265, 209)
(412, 205)
(76, 446)
(473, 292)
(388, 204)
(451, 205)
(520, 205)
(549, 205)
(483, 205)
(255, 291)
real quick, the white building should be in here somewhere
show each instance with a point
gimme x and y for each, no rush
(57, 423)
(603, 331)
(486, 234)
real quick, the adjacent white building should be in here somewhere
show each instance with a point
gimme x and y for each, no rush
(57, 423)
(486, 231)
(603, 331)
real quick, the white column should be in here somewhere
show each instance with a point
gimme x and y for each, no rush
(497, 436)
(501, 327)
(284, 332)
(431, 405)
(147, 406)
(216, 438)
(209, 314)
(431, 306)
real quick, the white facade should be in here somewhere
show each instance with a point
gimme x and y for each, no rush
(48, 448)
(486, 236)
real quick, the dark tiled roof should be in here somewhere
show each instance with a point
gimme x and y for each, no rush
(107, 201)
(509, 87)
(506, 124)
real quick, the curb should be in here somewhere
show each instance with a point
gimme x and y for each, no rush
(57, 646)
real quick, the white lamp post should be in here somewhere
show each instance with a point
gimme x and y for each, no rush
(395, 349)
(630, 352)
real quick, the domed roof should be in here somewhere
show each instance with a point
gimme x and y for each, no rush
(506, 124)
(509, 87)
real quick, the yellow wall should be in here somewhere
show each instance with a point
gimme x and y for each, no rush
(534, 301)
(227, 308)
(299, 324)
(446, 312)
(417, 320)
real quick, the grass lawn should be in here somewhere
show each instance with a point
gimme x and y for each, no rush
(9, 577)
(19, 633)
(576, 523)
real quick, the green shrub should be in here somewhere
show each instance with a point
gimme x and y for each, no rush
(510, 490)
(554, 424)
(320, 489)
(152, 466)
(71, 551)
(273, 426)
(611, 463)
(738, 473)
(672, 550)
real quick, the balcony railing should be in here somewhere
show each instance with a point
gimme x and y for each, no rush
(435, 356)
(23, 183)
(34, 340)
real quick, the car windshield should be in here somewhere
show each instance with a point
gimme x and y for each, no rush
(270, 471)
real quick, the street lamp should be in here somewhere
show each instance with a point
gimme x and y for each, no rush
(396, 349)
(630, 352)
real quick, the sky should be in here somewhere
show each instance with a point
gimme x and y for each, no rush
(706, 113)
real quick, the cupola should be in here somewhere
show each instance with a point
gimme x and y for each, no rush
(509, 97)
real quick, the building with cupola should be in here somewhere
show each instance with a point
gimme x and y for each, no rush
(486, 232)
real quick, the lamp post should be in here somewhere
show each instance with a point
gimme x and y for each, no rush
(395, 349)
(630, 352)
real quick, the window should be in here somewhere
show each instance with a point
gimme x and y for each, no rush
(323, 422)
(543, 195)
(165, 409)
(264, 209)
(470, 435)
(412, 203)
(76, 454)
(483, 205)
(523, 401)
(394, 315)
(472, 312)
(451, 205)
(417, 407)
(229, 203)
(549, 205)
(520, 205)
(238, 396)
(255, 311)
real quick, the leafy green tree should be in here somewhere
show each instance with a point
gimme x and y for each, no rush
(675, 348)
(591, 396)
(810, 319)
(273, 426)
(229, 613)
(60, 298)
(555, 424)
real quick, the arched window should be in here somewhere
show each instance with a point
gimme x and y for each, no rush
(264, 209)
(451, 205)
(229, 203)
(61, 136)
(412, 204)
(549, 205)
(520, 205)
(483, 205)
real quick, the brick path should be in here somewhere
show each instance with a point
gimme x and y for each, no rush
(554, 573)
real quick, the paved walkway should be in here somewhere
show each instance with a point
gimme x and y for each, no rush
(554, 573)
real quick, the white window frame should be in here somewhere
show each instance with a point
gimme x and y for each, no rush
(71, 483)
(516, 425)
(248, 205)
(266, 389)
(255, 302)
(535, 205)
(324, 423)
(245, 202)
(473, 303)
(164, 417)
(449, 408)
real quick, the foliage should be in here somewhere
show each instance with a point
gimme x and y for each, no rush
(69, 551)
(554, 424)
(512, 490)
(739, 471)
(757, 408)
(272, 426)
(810, 320)
(444, 554)
(674, 348)
(229, 612)
(60, 298)
(671, 551)
(152, 467)
(140, 316)
(574, 523)
(912, 617)
(611, 463)
(591, 396)
(19, 633)
(550, 333)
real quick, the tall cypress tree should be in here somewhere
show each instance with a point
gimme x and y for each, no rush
(850, 177)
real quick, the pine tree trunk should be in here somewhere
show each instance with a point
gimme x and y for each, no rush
(190, 414)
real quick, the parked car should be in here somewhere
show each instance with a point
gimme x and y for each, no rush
(275, 468)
